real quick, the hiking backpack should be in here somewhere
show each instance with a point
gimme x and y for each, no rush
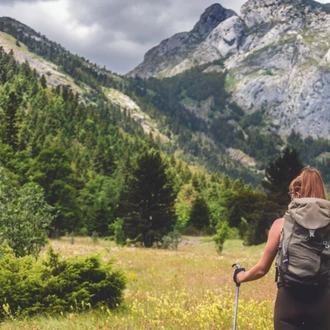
(304, 250)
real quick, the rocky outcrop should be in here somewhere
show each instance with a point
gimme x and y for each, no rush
(183, 50)
(283, 67)
(277, 53)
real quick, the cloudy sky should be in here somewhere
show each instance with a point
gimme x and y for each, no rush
(111, 33)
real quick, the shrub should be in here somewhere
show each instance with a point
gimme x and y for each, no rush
(24, 217)
(54, 285)
(117, 228)
(221, 235)
(172, 240)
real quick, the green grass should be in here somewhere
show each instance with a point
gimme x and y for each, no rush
(230, 80)
(190, 288)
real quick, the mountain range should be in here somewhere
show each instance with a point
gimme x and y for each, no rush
(239, 88)
(276, 53)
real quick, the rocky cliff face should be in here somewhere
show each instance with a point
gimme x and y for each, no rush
(283, 65)
(183, 50)
(277, 53)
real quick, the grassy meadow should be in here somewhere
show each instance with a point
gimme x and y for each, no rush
(188, 288)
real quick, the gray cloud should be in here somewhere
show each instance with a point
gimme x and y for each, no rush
(143, 22)
(111, 33)
(14, 2)
(129, 28)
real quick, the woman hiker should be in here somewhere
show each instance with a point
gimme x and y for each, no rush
(296, 307)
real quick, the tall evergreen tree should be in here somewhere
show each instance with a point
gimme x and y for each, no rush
(147, 206)
(10, 104)
(278, 176)
(200, 214)
(52, 171)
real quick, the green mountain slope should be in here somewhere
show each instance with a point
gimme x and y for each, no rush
(177, 129)
(190, 115)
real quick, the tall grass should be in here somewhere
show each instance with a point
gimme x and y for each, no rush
(189, 288)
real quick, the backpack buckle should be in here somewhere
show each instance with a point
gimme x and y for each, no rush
(311, 233)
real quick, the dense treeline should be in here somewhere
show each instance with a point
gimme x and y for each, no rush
(314, 152)
(97, 177)
(190, 132)
(69, 149)
(170, 100)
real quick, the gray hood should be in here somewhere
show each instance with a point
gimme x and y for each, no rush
(311, 213)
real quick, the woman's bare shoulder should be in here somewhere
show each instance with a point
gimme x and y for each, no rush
(275, 230)
(278, 223)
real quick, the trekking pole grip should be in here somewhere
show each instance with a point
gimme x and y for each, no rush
(237, 270)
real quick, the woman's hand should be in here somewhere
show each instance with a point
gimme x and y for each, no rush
(238, 272)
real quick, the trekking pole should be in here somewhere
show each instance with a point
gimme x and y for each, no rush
(237, 294)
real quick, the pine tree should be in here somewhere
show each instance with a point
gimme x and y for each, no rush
(147, 205)
(43, 81)
(200, 214)
(278, 176)
(51, 170)
(11, 104)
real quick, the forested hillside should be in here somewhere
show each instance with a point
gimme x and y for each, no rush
(78, 155)
(191, 109)
(185, 128)
(102, 174)
(194, 110)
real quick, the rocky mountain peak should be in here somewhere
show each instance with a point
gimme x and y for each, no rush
(181, 51)
(211, 18)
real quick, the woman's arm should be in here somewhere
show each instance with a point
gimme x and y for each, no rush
(264, 264)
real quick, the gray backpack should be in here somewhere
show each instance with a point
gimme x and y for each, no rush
(303, 257)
